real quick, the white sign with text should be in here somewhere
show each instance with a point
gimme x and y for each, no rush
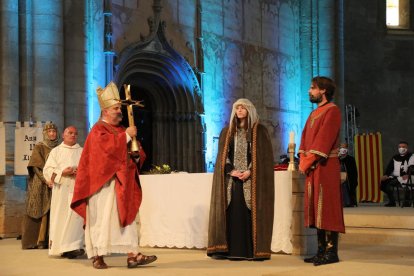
(26, 138)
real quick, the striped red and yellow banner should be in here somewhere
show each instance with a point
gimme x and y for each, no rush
(368, 156)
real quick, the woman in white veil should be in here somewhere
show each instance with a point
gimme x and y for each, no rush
(241, 212)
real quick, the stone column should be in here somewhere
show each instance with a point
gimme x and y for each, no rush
(306, 57)
(108, 47)
(340, 64)
(94, 28)
(9, 61)
(318, 44)
(26, 59)
(11, 187)
(199, 65)
(75, 80)
(326, 11)
(48, 89)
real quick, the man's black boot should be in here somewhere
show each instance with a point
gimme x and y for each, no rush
(321, 246)
(331, 253)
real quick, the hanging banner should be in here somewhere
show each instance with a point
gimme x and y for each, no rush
(2, 149)
(368, 156)
(26, 138)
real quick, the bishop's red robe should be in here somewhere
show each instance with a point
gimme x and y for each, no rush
(105, 156)
(319, 144)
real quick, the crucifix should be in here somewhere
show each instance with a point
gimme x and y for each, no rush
(129, 104)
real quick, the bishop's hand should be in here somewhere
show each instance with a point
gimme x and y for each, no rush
(132, 131)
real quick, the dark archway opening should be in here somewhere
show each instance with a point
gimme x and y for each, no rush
(172, 129)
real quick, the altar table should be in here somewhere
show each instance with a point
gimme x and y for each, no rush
(175, 210)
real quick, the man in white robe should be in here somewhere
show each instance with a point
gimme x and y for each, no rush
(66, 234)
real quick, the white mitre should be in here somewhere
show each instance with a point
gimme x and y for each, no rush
(108, 96)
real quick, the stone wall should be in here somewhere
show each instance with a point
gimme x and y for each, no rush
(379, 69)
(251, 50)
(12, 194)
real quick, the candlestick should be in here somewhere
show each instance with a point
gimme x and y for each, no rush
(291, 137)
(291, 151)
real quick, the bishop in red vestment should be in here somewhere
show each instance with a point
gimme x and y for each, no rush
(107, 192)
(319, 161)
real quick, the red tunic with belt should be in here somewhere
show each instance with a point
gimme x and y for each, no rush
(323, 200)
(105, 156)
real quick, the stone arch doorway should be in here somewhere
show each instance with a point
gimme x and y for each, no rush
(172, 126)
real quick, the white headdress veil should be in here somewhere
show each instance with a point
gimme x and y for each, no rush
(252, 116)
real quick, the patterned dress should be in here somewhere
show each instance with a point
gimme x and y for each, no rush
(239, 215)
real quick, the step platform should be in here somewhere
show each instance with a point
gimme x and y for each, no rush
(379, 225)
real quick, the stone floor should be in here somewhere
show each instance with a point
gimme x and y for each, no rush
(360, 254)
(355, 260)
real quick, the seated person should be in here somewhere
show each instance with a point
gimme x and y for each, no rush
(350, 184)
(284, 159)
(396, 173)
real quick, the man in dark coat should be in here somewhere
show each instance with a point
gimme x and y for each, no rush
(348, 165)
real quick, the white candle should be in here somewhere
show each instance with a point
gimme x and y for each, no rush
(291, 137)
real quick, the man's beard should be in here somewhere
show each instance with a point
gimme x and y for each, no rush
(315, 99)
(116, 118)
(119, 117)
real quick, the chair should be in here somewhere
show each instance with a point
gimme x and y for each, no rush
(409, 186)
(404, 189)
(396, 189)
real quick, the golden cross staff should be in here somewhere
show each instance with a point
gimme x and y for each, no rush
(129, 104)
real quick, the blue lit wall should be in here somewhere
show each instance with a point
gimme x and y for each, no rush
(266, 51)
(290, 90)
(262, 65)
(95, 58)
(215, 108)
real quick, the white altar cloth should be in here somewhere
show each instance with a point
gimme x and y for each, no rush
(175, 210)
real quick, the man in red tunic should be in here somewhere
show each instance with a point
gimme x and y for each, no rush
(319, 161)
(107, 192)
